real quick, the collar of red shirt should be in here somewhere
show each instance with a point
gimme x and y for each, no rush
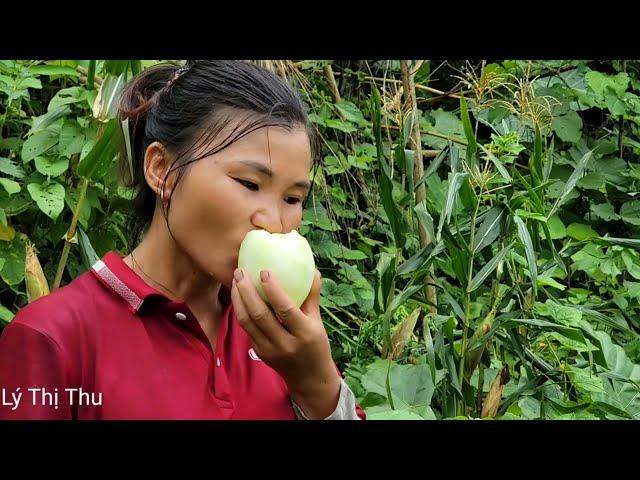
(113, 272)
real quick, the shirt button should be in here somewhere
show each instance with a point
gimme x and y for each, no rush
(181, 316)
(218, 361)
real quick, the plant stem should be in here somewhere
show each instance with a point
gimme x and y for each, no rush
(84, 183)
(418, 171)
(467, 307)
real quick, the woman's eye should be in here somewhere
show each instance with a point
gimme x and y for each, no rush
(249, 185)
(292, 200)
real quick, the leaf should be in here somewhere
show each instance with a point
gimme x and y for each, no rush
(419, 260)
(584, 380)
(488, 269)
(6, 315)
(52, 167)
(411, 386)
(501, 168)
(565, 315)
(50, 198)
(10, 186)
(599, 82)
(580, 231)
(571, 182)
(489, 229)
(393, 415)
(604, 211)
(9, 167)
(7, 234)
(106, 102)
(350, 112)
(38, 143)
(573, 341)
(446, 123)
(101, 154)
(556, 228)
(71, 139)
(89, 255)
(341, 125)
(568, 127)
(452, 193)
(342, 295)
(525, 238)
(624, 395)
(13, 254)
(425, 219)
(630, 212)
(472, 146)
(53, 70)
(403, 333)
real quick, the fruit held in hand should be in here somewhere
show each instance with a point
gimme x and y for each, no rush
(287, 255)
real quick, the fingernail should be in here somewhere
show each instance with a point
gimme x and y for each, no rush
(238, 275)
(264, 275)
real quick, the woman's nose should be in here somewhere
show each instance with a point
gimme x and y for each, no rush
(268, 218)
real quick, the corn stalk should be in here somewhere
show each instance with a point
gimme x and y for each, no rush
(415, 144)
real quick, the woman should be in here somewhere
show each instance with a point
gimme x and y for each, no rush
(174, 330)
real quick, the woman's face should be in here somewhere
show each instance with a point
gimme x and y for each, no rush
(258, 182)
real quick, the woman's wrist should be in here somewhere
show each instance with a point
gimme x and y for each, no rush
(317, 397)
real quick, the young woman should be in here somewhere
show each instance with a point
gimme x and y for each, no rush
(174, 330)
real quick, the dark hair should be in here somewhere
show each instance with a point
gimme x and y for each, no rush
(186, 108)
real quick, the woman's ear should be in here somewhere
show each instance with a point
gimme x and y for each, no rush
(157, 162)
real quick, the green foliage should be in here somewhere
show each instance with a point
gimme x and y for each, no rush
(531, 210)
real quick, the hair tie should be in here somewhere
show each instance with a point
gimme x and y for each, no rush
(177, 75)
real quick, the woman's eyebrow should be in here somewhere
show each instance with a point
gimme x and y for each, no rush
(262, 168)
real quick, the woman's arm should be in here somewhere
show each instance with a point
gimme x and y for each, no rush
(347, 409)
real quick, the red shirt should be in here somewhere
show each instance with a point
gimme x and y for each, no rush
(109, 346)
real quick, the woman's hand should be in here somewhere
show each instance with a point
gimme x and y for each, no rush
(290, 340)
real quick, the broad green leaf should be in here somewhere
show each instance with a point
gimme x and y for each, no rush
(568, 126)
(71, 139)
(342, 295)
(446, 123)
(393, 415)
(604, 211)
(599, 82)
(9, 167)
(10, 186)
(6, 315)
(630, 212)
(624, 395)
(350, 112)
(51, 167)
(38, 143)
(49, 198)
(411, 385)
(341, 125)
(573, 341)
(562, 314)
(556, 228)
(14, 256)
(580, 231)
